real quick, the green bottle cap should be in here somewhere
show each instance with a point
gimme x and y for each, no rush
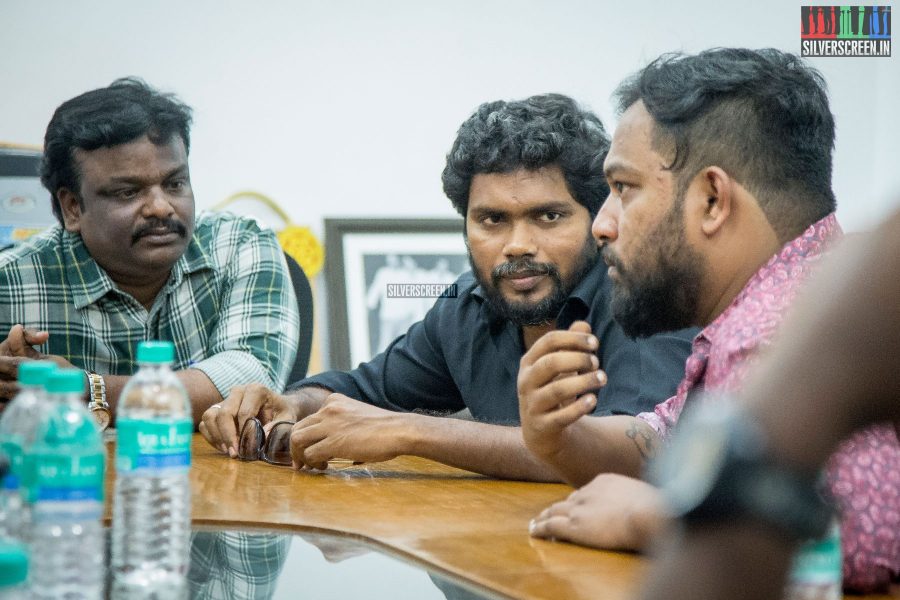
(35, 372)
(156, 352)
(63, 381)
(13, 564)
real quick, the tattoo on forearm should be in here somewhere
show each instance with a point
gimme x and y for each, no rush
(642, 437)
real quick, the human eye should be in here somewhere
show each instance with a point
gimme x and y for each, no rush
(177, 185)
(551, 216)
(127, 193)
(491, 219)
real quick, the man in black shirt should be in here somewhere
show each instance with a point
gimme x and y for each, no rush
(527, 176)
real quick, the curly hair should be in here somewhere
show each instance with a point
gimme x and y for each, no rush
(118, 114)
(540, 131)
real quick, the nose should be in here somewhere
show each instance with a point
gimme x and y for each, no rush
(157, 204)
(521, 242)
(605, 227)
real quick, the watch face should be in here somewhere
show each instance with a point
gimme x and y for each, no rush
(102, 417)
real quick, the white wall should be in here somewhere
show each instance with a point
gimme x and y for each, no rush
(348, 108)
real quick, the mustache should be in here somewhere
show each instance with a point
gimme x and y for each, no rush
(522, 267)
(157, 226)
(612, 259)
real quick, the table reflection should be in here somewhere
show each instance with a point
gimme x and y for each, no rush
(239, 565)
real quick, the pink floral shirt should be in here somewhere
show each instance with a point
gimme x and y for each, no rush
(864, 473)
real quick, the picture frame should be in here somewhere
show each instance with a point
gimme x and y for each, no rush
(369, 266)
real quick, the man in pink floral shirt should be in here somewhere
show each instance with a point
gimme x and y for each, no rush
(720, 207)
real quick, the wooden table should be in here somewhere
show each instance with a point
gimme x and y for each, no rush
(454, 522)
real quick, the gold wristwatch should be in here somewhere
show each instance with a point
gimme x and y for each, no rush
(97, 403)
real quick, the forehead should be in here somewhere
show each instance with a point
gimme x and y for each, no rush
(139, 159)
(521, 189)
(632, 143)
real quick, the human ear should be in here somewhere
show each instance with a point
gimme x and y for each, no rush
(717, 188)
(70, 207)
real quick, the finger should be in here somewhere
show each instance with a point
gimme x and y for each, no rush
(580, 326)
(565, 416)
(9, 367)
(34, 337)
(252, 400)
(550, 366)
(562, 391)
(555, 341)
(17, 344)
(212, 435)
(8, 389)
(225, 419)
(552, 528)
(302, 435)
(317, 455)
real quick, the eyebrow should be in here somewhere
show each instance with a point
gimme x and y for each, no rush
(179, 170)
(618, 167)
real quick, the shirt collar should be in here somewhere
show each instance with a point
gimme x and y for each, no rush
(793, 256)
(89, 282)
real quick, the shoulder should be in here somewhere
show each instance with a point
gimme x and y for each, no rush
(223, 227)
(39, 249)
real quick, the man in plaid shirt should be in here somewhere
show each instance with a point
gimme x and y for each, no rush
(129, 263)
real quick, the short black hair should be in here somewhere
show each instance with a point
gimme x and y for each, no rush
(762, 115)
(118, 114)
(540, 131)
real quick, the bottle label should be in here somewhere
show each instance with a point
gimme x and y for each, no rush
(153, 446)
(70, 483)
(817, 565)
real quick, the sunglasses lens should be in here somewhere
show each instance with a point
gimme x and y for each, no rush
(251, 440)
(278, 445)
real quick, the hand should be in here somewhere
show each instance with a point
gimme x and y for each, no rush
(556, 378)
(348, 429)
(612, 512)
(18, 347)
(221, 423)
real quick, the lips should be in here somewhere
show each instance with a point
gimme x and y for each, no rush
(524, 282)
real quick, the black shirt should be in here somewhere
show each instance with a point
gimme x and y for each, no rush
(463, 355)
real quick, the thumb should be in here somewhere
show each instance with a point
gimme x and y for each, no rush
(580, 326)
(33, 337)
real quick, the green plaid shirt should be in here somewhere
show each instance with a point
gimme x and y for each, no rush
(228, 306)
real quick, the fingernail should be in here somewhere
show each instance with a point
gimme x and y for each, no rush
(601, 375)
(592, 342)
(232, 453)
(594, 362)
(590, 400)
(223, 448)
(532, 526)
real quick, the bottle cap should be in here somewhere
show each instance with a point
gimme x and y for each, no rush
(35, 372)
(63, 381)
(13, 564)
(156, 352)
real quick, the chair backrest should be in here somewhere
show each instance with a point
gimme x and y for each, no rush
(303, 291)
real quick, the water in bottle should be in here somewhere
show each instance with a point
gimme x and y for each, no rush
(18, 425)
(63, 480)
(151, 511)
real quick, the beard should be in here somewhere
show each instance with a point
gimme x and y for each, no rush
(545, 310)
(652, 297)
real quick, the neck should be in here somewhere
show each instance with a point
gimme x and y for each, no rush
(728, 282)
(144, 291)
(531, 333)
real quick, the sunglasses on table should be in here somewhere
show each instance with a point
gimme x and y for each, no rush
(274, 447)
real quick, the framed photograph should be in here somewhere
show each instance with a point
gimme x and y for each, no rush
(24, 203)
(382, 276)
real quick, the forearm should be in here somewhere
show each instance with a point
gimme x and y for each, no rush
(494, 450)
(594, 445)
(200, 389)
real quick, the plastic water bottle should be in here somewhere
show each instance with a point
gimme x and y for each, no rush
(63, 480)
(13, 570)
(151, 512)
(18, 425)
(816, 570)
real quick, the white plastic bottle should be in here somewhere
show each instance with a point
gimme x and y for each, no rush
(151, 511)
(63, 479)
(18, 425)
(816, 570)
